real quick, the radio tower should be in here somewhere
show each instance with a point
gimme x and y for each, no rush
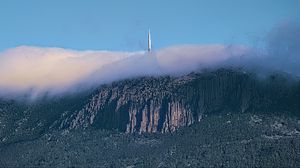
(149, 41)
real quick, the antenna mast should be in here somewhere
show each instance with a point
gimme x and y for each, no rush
(149, 41)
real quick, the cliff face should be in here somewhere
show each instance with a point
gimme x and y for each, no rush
(248, 117)
(139, 105)
(163, 104)
(151, 104)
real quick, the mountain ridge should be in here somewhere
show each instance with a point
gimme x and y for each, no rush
(162, 104)
(152, 104)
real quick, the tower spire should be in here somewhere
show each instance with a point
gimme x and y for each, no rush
(149, 41)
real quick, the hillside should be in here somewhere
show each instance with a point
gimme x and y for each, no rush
(224, 117)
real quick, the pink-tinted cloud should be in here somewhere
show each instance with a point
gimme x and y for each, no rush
(57, 70)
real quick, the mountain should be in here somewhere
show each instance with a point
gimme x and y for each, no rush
(193, 110)
(162, 104)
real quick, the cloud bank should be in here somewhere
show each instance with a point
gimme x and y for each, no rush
(55, 70)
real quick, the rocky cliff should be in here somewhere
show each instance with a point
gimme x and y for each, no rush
(162, 104)
(151, 104)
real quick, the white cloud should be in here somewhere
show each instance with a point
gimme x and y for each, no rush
(58, 70)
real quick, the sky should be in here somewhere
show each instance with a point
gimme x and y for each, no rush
(116, 25)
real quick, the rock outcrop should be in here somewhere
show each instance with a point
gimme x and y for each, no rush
(162, 104)
(151, 104)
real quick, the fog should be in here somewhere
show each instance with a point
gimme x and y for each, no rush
(54, 71)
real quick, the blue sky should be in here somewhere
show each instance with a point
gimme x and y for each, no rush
(122, 25)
